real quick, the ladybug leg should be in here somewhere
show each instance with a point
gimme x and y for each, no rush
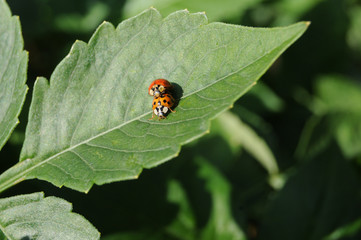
(172, 110)
(152, 116)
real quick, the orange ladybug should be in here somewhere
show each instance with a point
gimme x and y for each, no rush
(161, 105)
(159, 87)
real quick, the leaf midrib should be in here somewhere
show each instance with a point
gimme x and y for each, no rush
(143, 115)
(23, 174)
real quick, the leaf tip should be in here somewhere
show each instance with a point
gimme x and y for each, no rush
(104, 24)
(41, 81)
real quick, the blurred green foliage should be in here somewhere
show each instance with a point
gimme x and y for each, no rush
(306, 112)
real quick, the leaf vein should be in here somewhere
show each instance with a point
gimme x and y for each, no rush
(63, 170)
(115, 55)
(126, 151)
(83, 160)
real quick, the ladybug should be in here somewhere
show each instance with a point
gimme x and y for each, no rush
(161, 105)
(158, 87)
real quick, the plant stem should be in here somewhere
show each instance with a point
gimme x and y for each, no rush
(15, 174)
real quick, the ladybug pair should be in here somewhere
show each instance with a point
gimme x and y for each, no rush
(163, 100)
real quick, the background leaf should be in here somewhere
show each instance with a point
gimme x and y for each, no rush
(348, 230)
(239, 134)
(90, 125)
(221, 225)
(32, 216)
(315, 198)
(13, 65)
(215, 10)
(334, 118)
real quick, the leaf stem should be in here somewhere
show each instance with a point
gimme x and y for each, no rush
(14, 175)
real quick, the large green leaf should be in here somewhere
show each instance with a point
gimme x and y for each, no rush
(13, 65)
(90, 124)
(32, 216)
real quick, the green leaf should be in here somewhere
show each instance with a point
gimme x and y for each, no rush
(338, 94)
(240, 134)
(321, 196)
(13, 65)
(75, 23)
(32, 216)
(268, 98)
(90, 124)
(216, 10)
(288, 11)
(340, 97)
(221, 224)
(184, 225)
(348, 230)
(354, 34)
(337, 116)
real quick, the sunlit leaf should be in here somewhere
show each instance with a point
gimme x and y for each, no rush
(32, 216)
(90, 123)
(13, 65)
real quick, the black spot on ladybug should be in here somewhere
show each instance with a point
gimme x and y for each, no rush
(154, 103)
(164, 101)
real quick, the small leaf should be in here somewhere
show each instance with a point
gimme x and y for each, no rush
(184, 224)
(239, 134)
(354, 34)
(32, 216)
(13, 65)
(269, 99)
(90, 124)
(338, 94)
(290, 11)
(216, 10)
(75, 23)
(337, 116)
(348, 230)
(221, 224)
